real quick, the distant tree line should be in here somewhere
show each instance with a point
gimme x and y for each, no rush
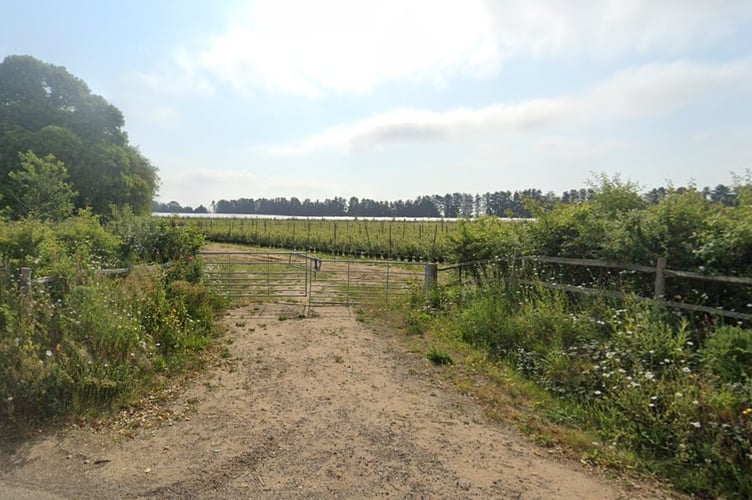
(174, 207)
(451, 205)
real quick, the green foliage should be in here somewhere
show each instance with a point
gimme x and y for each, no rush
(728, 354)
(25, 243)
(402, 240)
(569, 230)
(175, 241)
(146, 238)
(45, 109)
(484, 239)
(39, 188)
(680, 398)
(670, 228)
(87, 243)
(613, 196)
(683, 225)
(726, 239)
(439, 357)
(635, 374)
(84, 341)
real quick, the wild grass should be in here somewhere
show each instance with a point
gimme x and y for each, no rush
(639, 381)
(83, 343)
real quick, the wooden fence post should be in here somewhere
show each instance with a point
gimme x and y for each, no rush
(431, 276)
(660, 278)
(26, 280)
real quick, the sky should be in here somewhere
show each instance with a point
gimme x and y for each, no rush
(393, 99)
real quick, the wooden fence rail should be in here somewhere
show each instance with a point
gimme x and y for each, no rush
(659, 289)
(27, 282)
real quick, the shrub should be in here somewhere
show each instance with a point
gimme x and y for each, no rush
(727, 354)
(84, 341)
(636, 374)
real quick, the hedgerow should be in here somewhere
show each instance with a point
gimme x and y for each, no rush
(81, 341)
(673, 389)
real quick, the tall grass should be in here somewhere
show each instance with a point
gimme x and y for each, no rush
(638, 375)
(85, 342)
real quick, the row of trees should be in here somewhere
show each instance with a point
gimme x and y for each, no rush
(174, 207)
(463, 205)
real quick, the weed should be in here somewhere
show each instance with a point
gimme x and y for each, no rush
(654, 397)
(439, 357)
(86, 343)
(416, 323)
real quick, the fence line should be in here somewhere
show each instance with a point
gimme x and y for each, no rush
(432, 270)
(27, 282)
(660, 271)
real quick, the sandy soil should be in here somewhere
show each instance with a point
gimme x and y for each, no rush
(321, 407)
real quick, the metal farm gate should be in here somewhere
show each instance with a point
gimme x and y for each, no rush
(316, 282)
(257, 274)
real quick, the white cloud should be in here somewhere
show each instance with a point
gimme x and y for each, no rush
(406, 126)
(649, 90)
(340, 46)
(345, 47)
(662, 88)
(607, 28)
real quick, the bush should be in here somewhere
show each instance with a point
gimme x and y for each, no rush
(636, 373)
(85, 341)
(727, 354)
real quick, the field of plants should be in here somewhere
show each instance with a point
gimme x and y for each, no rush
(400, 240)
(79, 340)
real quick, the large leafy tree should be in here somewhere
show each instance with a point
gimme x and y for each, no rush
(45, 109)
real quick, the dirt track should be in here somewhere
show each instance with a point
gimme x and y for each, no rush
(320, 407)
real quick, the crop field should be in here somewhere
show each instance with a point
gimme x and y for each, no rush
(397, 239)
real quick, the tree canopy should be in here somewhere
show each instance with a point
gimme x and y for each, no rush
(46, 110)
